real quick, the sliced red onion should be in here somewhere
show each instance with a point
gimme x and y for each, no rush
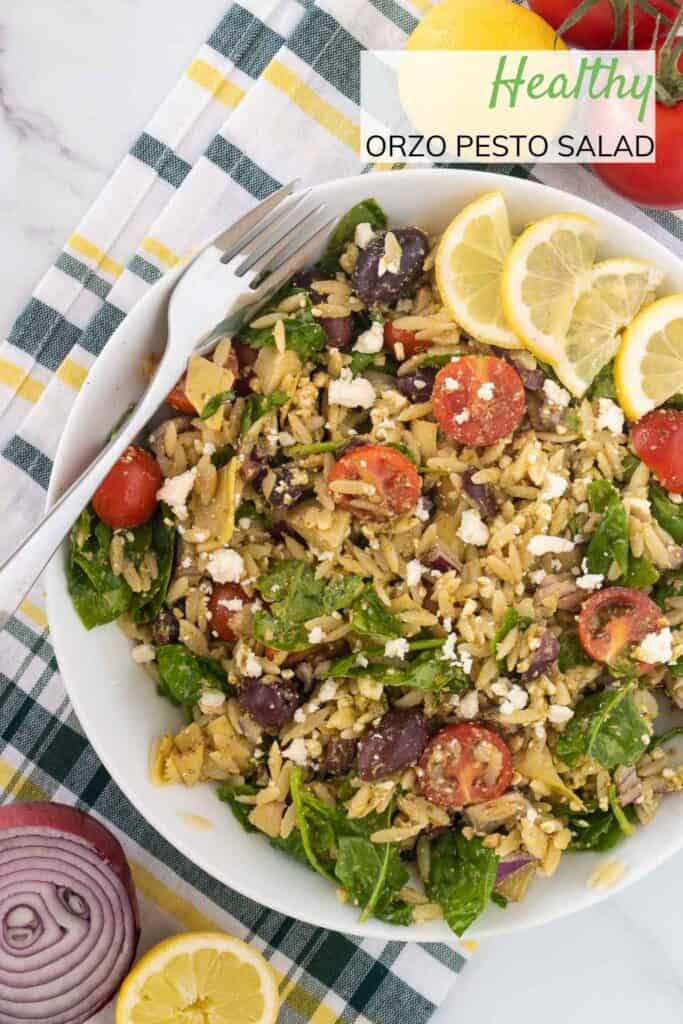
(68, 915)
(441, 559)
(482, 495)
(509, 865)
(545, 655)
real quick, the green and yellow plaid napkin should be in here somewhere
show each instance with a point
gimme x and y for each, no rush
(271, 95)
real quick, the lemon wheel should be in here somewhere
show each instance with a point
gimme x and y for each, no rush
(648, 369)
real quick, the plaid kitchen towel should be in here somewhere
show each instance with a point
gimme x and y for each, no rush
(270, 96)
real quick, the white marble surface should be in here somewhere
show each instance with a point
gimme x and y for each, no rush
(78, 80)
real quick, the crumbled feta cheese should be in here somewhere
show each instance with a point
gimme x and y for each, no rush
(364, 235)
(208, 448)
(210, 701)
(297, 752)
(414, 570)
(422, 510)
(469, 705)
(448, 651)
(537, 576)
(351, 392)
(656, 648)
(517, 700)
(285, 439)
(451, 384)
(448, 624)
(466, 661)
(225, 566)
(555, 394)
(610, 416)
(361, 661)
(244, 523)
(543, 544)
(554, 486)
(486, 390)
(176, 490)
(316, 635)
(390, 260)
(558, 714)
(143, 653)
(372, 340)
(590, 581)
(462, 417)
(233, 604)
(472, 530)
(328, 691)
(676, 498)
(252, 666)
(500, 688)
(396, 648)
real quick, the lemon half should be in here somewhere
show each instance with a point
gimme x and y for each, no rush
(648, 369)
(199, 977)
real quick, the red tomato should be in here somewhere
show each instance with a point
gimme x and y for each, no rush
(128, 494)
(615, 620)
(179, 401)
(394, 336)
(595, 29)
(394, 478)
(464, 764)
(657, 439)
(222, 616)
(659, 183)
(478, 399)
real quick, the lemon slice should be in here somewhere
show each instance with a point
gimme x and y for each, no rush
(613, 293)
(543, 277)
(648, 368)
(199, 977)
(469, 264)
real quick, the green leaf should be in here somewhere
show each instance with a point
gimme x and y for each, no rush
(303, 333)
(368, 211)
(422, 672)
(462, 875)
(666, 512)
(98, 594)
(511, 618)
(222, 456)
(296, 789)
(182, 673)
(228, 794)
(436, 361)
(372, 875)
(629, 465)
(572, 654)
(258, 406)
(279, 634)
(625, 826)
(606, 726)
(370, 617)
(598, 831)
(360, 362)
(609, 543)
(640, 573)
(146, 605)
(670, 586)
(402, 448)
(603, 384)
(215, 402)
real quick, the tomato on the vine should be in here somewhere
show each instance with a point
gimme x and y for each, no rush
(594, 27)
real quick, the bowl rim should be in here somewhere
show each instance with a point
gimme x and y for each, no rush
(313, 915)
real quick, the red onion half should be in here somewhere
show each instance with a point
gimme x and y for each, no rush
(68, 915)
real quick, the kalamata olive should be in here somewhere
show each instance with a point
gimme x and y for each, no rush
(481, 494)
(542, 415)
(254, 466)
(338, 756)
(545, 655)
(417, 387)
(246, 357)
(533, 380)
(269, 704)
(290, 484)
(375, 288)
(305, 279)
(441, 559)
(339, 330)
(165, 628)
(394, 743)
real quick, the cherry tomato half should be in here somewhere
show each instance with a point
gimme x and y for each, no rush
(393, 478)
(226, 604)
(179, 401)
(615, 620)
(128, 494)
(478, 399)
(657, 439)
(394, 336)
(464, 764)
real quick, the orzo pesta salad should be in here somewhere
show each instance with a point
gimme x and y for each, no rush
(406, 565)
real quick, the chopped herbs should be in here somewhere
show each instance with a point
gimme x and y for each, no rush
(214, 403)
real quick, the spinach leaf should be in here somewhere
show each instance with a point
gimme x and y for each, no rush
(603, 384)
(671, 585)
(606, 726)
(296, 789)
(258, 406)
(436, 361)
(402, 448)
(181, 674)
(462, 875)
(640, 573)
(146, 605)
(572, 653)
(511, 618)
(222, 456)
(666, 512)
(370, 617)
(372, 875)
(228, 794)
(609, 543)
(629, 465)
(368, 211)
(215, 402)
(303, 333)
(597, 831)
(248, 510)
(98, 594)
(422, 672)
(620, 815)
(360, 362)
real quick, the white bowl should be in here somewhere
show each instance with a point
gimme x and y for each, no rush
(119, 708)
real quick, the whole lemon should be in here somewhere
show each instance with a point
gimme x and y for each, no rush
(482, 25)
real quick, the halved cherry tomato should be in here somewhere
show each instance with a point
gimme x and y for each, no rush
(464, 764)
(393, 478)
(394, 336)
(657, 439)
(223, 615)
(128, 494)
(478, 399)
(179, 401)
(615, 620)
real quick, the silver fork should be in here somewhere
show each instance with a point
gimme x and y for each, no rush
(229, 280)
